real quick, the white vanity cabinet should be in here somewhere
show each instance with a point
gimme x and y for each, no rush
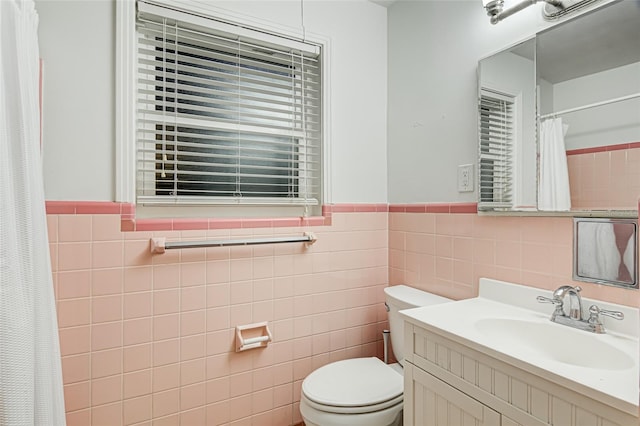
(448, 383)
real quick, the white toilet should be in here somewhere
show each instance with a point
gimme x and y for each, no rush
(364, 391)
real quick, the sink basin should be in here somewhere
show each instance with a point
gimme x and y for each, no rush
(556, 342)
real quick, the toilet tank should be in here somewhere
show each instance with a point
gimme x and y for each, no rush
(399, 297)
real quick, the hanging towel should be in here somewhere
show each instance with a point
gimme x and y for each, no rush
(598, 254)
(553, 181)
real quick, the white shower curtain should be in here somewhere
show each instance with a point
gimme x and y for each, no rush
(31, 391)
(553, 181)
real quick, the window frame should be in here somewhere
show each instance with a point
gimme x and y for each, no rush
(126, 115)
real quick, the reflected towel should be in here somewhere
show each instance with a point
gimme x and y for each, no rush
(598, 254)
(629, 258)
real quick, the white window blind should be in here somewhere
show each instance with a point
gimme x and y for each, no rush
(226, 115)
(496, 112)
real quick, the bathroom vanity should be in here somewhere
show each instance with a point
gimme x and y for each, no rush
(497, 360)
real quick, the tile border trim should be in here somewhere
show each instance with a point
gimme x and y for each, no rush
(130, 223)
(605, 148)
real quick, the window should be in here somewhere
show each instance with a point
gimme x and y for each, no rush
(496, 112)
(225, 114)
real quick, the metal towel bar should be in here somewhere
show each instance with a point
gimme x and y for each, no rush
(159, 244)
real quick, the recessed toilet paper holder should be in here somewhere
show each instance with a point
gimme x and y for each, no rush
(252, 336)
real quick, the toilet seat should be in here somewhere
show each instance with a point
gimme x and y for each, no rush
(353, 386)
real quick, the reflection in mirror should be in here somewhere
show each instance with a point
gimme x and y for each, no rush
(588, 77)
(605, 251)
(507, 153)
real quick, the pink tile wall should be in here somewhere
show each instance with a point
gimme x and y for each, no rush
(149, 340)
(447, 254)
(605, 177)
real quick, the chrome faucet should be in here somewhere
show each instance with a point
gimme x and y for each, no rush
(575, 312)
(575, 318)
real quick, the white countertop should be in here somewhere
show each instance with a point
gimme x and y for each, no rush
(616, 386)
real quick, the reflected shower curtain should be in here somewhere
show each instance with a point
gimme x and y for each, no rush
(30, 371)
(553, 181)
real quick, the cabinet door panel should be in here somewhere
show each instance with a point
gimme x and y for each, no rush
(430, 401)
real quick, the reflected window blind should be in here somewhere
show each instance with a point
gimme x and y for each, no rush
(496, 113)
(224, 117)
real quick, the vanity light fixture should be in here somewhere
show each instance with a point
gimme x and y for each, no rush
(495, 8)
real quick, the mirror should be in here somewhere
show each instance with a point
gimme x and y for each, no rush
(507, 105)
(605, 251)
(587, 75)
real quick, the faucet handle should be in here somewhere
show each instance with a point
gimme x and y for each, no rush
(554, 300)
(596, 311)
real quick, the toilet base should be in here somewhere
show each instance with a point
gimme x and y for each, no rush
(391, 416)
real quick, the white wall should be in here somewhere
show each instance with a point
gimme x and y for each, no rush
(612, 124)
(77, 45)
(77, 40)
(434, 48)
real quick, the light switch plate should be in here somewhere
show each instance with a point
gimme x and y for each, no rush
(465, 178)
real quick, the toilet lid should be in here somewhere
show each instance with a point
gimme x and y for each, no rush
(353, 382)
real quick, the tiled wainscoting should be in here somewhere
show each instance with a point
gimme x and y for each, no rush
(149, 339)
(448, 253)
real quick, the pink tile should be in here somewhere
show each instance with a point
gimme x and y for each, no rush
(74, 256)
(166, 377)
(193, 322)
(218, 390)
(166, 352)
(165, 403)
(73, 228)
(192, 396)
(79, 418)
(166, 276)
(137, 305)
(241, 270)
(220, 342)
(75, 340)
(136, 357)
(218, 272)
(241, 292)
(137, 253)
(192, 347)
(240, 384)
(193, 273)
(107, 254)
(137, 331)
(77, 396)
(76, 368)
(106, 363)
(217, 366)
(106, 336)
(154, 224)
(106, 390)
(137, 410)
(61, 207)
(166, 302)
(106, 281)
(238, 407)
(262, 401)
(106, 308)
(107, 415)
(74, 284)
(193, 371)
(194, 417)
(106, 227)
(166, 326)
(137, 278)
(97, 207)
(192, 298)
(74, 312)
